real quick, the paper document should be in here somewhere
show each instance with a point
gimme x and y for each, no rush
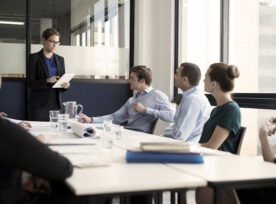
(83, 130)
(87, 161)
(63, 79)
(81, 141)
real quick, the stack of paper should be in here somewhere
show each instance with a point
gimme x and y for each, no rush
(170, 147)
(152, 152)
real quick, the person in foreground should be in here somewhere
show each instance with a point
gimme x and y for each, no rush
(140, 111)
(194, 108)
(262, 195)
(45, 69)
(221, 129)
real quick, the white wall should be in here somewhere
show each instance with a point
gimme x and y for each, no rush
(153, 41)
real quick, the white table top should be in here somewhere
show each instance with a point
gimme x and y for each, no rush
(122, 177)
(119, 176)
(229, 168)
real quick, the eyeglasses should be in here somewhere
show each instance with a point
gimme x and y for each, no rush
(53, 42)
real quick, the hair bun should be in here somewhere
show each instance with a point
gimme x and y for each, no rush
(233, 71)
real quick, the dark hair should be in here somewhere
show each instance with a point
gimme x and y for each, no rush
(142, 72)
(224, 74)
(49, 32)
(191, 71)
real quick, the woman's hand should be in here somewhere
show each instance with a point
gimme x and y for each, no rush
(53, 79)
(65, 85)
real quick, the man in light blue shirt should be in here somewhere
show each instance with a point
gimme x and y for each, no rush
(194, 109)
(142, 110)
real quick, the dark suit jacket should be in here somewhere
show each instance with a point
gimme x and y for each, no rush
(20, 151)
(41, 94)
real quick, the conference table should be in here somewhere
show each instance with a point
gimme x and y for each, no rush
(114, 176)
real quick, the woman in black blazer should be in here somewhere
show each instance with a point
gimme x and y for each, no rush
(45, 69)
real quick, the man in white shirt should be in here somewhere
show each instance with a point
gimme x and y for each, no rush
(194, 109)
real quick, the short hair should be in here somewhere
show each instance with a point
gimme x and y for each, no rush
(224, 75)
(49, 32)
(191, 71)
(142, 72)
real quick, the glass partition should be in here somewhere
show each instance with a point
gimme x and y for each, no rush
(94, 35)
(12, 38)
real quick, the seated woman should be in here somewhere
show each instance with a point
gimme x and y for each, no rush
(262, 195)
(220, 131)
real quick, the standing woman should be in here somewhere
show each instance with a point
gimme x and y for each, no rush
(221, 130)
(45, 69)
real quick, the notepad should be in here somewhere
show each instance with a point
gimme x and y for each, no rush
(64, 79)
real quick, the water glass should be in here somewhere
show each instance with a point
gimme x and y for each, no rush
(63, 122)
(107, 139)
(118, 130)
(53, 115)
(107, 125)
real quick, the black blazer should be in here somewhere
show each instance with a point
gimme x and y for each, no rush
(40, 91)
(20, 151)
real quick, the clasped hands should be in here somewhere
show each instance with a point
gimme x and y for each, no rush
(54, 79)
(37, 185)
(269, 127)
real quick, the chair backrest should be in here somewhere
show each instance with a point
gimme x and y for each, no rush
(240, 133)
(153, 126)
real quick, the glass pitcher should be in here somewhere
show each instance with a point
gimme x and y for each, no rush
(71, 108)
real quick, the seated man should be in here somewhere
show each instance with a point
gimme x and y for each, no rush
(141, 110)
(194, 109)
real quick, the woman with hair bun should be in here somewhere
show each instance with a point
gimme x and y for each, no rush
(220, 131)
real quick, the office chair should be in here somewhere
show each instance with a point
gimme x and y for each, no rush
(240, 134)
(153, 125)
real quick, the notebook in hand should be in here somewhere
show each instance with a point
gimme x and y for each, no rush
(163, 157)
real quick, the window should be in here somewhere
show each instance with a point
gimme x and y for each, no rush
(199, 33)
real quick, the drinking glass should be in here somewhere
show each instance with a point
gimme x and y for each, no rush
(53, 115)
(63, 122)
(118, 132)
(107, 139)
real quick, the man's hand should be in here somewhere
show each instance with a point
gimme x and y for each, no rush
(65, 85)
(53, 79)
(85, 119)
(139, 107)
(2, 114)
(268, 128)
(37, 185)
(26, 125)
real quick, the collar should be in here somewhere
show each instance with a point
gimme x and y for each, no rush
(147, 90)
(190, 91)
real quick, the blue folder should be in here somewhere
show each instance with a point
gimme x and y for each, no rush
(161, 157)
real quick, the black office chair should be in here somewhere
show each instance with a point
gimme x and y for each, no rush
(240, 134)
(153, 125)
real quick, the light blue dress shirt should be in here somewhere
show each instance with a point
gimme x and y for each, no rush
(157, 105)
(190, 116)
